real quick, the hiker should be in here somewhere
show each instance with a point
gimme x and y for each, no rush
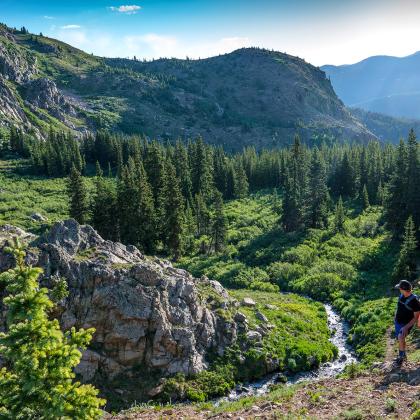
(407, 314)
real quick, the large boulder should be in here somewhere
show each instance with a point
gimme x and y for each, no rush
(147, 315)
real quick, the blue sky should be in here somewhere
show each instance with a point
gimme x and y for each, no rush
(321, 31)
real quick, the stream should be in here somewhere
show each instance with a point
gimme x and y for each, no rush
(339, 333)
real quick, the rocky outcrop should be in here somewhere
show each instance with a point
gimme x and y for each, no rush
(15, 64)
(43, 93)
(148, 315)
(9, 108)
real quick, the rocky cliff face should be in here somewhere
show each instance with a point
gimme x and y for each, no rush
(29, 96)
(15, 65)
(148, 316)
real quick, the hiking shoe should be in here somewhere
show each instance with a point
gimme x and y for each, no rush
(400, 360)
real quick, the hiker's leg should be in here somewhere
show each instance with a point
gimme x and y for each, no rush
(401, 342)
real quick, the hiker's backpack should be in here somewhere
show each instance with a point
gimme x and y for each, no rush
(410, 299)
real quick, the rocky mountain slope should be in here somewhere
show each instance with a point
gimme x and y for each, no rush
(250, 96)
(151, 319)
(383, 84)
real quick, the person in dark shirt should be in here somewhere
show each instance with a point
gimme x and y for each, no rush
(407, 314)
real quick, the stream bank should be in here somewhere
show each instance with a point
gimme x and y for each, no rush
(339, 332)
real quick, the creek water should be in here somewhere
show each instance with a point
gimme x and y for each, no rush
(339, 333)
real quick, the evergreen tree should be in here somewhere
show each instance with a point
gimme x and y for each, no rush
(295, 203)
(202, 170)
(365, 195)
(219, 223)
(183, 171)
(145, 212)
(318, 192)
(339, 217)
(190, 230)
(405, 267)
(202, 215)
(413, 176)
(220, 171)
(104, 207)
(345, 178)
(38, 380)
(174, 216)
(137, 215)
(78, 197)
(380, 194)
(158, 180)
(396, 197)
(241, 185)
(290, 216)
(126, 193)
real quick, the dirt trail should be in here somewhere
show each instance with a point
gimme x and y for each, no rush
(391, 347)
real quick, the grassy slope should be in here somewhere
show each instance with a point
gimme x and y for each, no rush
(23, 195)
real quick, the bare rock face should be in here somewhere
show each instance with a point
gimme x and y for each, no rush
(16, 66)
(9, 108)
(43, 93)
(147, 314)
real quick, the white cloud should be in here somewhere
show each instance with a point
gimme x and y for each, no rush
(150, 45)
(76, 39)
(128, 10)
(153, 45)
(49, 17)
(71, 27)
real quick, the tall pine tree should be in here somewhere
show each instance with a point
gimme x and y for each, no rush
(396, 195)
(174, 216)
(219, 223)
(78, 196)
(405, 267)
(339, 217)
(318, 192)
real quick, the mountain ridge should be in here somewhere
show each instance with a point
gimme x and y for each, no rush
(384, 84)
(248, 97)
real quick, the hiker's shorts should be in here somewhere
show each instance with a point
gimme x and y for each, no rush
(399, 327)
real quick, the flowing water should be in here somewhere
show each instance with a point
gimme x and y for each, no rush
(339, 333)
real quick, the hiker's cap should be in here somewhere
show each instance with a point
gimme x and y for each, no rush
(404, 285)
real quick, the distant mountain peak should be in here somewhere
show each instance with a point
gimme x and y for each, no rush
(384, 84)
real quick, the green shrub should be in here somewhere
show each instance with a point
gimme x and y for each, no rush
(390, 405)
(302, 254)
(283, 273)
(253, 278)
(321, 286)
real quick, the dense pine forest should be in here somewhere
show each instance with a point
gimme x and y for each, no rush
(162, 196)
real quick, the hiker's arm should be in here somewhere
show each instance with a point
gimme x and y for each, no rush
(404, 330)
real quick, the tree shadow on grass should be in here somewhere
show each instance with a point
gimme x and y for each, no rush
(269, 247)
(374, 278)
